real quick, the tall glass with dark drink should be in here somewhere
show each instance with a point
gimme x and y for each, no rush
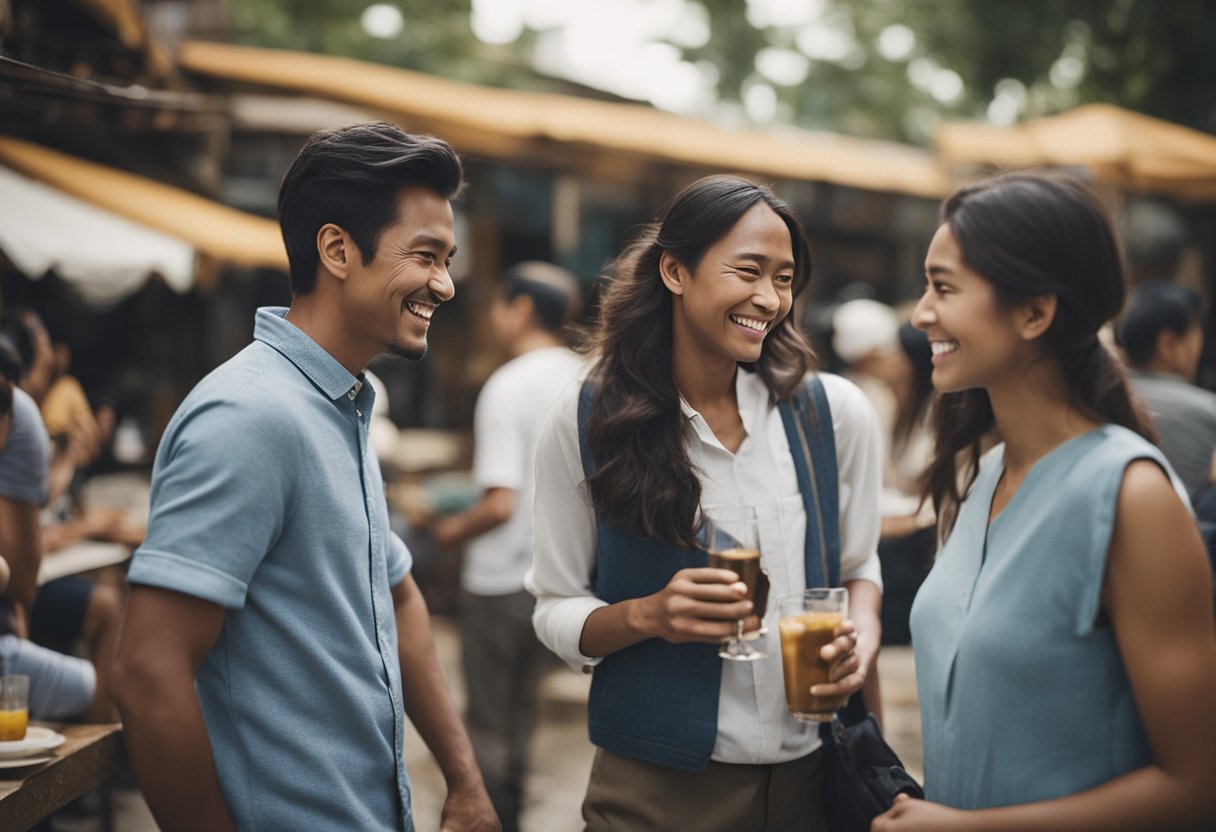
(732, 537)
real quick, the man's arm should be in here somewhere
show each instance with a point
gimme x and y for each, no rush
(165, 637)
(492, 509)
(429, 706)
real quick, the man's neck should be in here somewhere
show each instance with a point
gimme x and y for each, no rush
(1159, 367)
(535, 339)
(312, 317)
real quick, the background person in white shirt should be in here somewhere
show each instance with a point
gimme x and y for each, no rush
(694, 345)
(501, 656)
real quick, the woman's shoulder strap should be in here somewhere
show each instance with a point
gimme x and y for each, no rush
(808, 425)
(586, 399)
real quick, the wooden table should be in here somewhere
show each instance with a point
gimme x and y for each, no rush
(89, 758)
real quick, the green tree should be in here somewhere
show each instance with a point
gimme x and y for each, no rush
(1031, 57)
(960, 59)
(435, 37)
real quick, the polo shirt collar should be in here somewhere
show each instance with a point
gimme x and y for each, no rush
(272, 328)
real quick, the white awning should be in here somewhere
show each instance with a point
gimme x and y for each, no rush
(103, 256)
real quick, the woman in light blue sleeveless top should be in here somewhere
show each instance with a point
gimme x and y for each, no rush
(1065, 643)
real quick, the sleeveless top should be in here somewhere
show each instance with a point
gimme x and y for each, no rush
(1023, 696)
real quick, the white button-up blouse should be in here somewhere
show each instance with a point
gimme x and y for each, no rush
(754, 724)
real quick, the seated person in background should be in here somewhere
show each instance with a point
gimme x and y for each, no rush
(66, 519)
(65, 403)
(61, 687)
(58, 613)
(1162, 336)
(24, 466)
(38, 354)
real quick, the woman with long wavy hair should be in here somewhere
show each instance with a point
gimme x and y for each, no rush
(1065, 645)
(694, 353)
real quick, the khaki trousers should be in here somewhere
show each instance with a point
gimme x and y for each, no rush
(626, 795)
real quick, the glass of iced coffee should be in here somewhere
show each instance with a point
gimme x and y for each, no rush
(732, 536)
(808, 620)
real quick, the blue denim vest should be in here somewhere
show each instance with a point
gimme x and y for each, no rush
(657, 701)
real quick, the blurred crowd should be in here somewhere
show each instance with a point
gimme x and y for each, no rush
(61, 633)
(242, 549)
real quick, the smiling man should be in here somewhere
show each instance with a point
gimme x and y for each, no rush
(275, 640)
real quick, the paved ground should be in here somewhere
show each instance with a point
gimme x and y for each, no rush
(561, 752)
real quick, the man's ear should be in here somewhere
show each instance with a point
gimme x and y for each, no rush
(1167, 344)
(1036, 315)
(335, 248)
(673, 274)
(523, 308)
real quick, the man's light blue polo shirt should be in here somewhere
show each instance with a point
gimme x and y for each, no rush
(267, 500)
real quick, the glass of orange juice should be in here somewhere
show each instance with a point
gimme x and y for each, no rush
(14, 707)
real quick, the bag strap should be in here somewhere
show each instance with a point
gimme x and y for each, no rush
(586, 397)
(809, 430)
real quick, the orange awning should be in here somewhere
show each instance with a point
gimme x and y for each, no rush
(495, 122)
(1134, 151)
(214, 229)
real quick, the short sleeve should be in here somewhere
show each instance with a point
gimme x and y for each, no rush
(25, 461)
(220, 492)
(500, 451)
(400, 559)
(1101, 527)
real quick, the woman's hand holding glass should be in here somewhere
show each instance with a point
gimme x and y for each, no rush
(846, 674)
(698, 605)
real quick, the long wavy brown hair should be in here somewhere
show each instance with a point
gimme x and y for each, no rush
(1029, 235)
(644, 480)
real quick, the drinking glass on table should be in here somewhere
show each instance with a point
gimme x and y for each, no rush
(732, 536)
(14, 707)
(807, 624)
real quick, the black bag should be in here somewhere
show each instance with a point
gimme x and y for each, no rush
(861, 775)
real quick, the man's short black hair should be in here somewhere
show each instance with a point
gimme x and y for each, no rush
(1153, 307)
(553, 290)
(350, 176)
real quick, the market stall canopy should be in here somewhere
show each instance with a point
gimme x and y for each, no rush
(104, 257)
(1134, 151)
(213, 229)
(125, 20)
(501, 123)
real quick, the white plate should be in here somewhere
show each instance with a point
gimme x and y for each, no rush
(37, 740)
(25, 761)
